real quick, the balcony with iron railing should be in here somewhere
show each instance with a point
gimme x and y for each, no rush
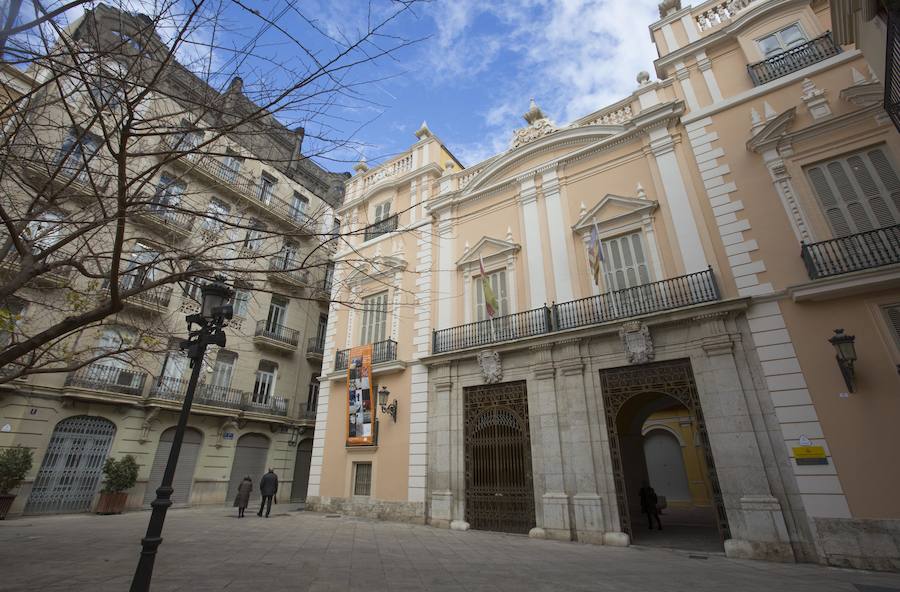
(389, 224)
(245, 187)
(315, 349)
(794, 59)
(286, 271)
(154, 300)
(276, 336)
(382, 351)
(856, 252)
(673, 293)
(175, 389)
(166, 219)
(107, 377)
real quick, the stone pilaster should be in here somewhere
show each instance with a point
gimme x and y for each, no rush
(439, 449)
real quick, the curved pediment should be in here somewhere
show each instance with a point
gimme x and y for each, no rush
(574, 137)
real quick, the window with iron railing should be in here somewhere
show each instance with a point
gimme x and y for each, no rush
(362, 478)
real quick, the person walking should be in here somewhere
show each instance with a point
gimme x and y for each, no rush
(649, 501)
(268, 487)
(242, 499)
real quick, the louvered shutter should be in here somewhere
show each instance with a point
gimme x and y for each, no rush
(498, 285)
(374, 318)
(858, 193)
(892, 316)
(625, 265)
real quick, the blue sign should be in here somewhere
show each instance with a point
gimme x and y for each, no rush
(228, 435)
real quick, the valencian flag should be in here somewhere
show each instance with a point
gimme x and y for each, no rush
(595, 254)
(490, 301)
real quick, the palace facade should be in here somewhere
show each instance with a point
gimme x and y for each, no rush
(748, 206)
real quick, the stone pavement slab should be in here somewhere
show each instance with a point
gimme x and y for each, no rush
(208, 549)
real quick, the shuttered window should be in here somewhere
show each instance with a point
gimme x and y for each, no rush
(362, 479)
(892, 316)
(859, 192)
(382, 211)
(498, 285)
(374, 318)
(624, 262)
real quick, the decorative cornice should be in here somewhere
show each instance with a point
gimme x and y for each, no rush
(772, 132)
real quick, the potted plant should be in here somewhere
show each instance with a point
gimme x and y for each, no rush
(120, 475)
(14, 465)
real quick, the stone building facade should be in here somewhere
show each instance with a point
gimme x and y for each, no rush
(255, 405)
(747, 202)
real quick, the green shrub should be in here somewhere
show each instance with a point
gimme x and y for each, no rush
(14, 465)
(120, 474)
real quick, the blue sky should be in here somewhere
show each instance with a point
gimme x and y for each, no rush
(470, 77)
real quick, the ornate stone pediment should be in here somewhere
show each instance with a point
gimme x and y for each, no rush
(538, 127)
(487, 248)
(491, 370)
(613, 211)
(769, 134)
(376, 267)
(637, 341)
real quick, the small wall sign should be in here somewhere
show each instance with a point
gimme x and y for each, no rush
(810, 455)
(228, 436)
(6, 428)
(32, 411)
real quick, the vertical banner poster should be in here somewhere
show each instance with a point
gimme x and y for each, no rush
(360, 410)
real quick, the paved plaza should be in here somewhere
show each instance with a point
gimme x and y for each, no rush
(209, 549)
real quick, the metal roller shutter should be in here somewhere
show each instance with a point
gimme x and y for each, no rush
(301, 471)
(249, 459)
(184, 472)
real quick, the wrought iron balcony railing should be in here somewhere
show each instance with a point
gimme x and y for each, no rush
(277, 332)
(382, 351)
(106, 377)
(315, 345)
(678, 292)
(381, 227)
(163, 214)
(794, 59)
(289, 270)
(174, 389)
(856, 252)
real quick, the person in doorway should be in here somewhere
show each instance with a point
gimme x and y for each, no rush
(268, 487)
(649, 502)
(242, 499)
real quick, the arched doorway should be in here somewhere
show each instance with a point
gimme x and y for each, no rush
(301, 471)
(631, 395)
(250, 456)
(184, 471)
(73, 466)
(499, 483)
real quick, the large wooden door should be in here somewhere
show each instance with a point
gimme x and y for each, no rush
(499, 485)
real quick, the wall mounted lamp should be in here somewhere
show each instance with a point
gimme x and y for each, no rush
(846, 355)
(383, 395)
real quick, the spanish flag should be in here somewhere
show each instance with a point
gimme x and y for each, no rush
(595, 254)
(490, 301)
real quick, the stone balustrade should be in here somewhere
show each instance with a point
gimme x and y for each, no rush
(710, 16)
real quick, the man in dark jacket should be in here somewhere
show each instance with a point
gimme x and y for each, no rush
(268, 487)
(649, 501)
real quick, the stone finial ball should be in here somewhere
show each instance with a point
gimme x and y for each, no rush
(643, 77)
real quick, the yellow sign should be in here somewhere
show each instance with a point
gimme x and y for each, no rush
(810, 455)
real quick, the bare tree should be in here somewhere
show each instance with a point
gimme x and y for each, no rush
(102, 220)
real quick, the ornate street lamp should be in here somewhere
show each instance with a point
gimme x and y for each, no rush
(215, 311)
(383, 395)
(846, 355)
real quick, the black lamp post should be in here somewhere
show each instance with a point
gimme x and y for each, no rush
(383, 395)
(846, 355)
(214, 312)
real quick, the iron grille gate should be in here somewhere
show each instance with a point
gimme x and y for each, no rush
(499, 485)
(892, 67)
(72, 467)
(676, 380)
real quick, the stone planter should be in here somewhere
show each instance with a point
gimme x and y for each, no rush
(112, 503)
(6, 501)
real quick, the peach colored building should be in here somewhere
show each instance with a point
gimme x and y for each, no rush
(747, 205)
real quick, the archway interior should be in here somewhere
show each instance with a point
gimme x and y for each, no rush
(659, 444)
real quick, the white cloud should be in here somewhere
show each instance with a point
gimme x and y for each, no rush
(572, 56)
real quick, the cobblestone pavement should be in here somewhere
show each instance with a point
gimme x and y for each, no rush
(209, 549)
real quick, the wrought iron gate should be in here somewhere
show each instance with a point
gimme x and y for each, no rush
(499, 485)
(72, 467)
(675, 379)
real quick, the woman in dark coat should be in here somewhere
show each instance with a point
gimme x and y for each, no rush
(243, 496)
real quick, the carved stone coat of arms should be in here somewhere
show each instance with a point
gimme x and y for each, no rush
(637, 341)
(489, 360)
